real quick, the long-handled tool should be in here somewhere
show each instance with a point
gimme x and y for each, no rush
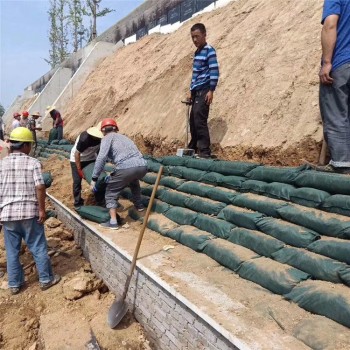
(119, 308)
(186, 151)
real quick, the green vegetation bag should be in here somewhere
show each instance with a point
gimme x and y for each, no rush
(172, 182)
(222, 194)
(126, 193)
(191, 237)
(279, 190)
(51, 214)
(291, 234)
(175, 171)
(233, 182)
(199, 164)
(329, 182)
(254, 240)
(338, 204)
(240, 216)
(63, 142)
(54, 142)
(335, 248)
(174, 198)
(67, 148)
(53, 135)
(161, 224)
(100, 183)
(219, 228)
(153, 166)
(47, 179)
(195, 188)
(94, 213)
(150, 178)
(174, 161)
(211, 178)
(323, 298)
(159, 206)
(181, 216)
(228, 254)
(285, 175)
(192, 174)
(272, 275)
(261, 204)
(309, 197)
(253, 186)
(204, 205)
(324, 223)
(318, 266)
(146, 189)
(232, 168)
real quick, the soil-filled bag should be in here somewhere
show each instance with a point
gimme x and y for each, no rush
(64, 142)
(191, 237)
(335, 248)
(196, 188)
(171, 182)
(272, 275)
(174, 198)
(309, 197)
(204, 205)
(233, 182)
(153, 166)
(222, 194)
(66, 147)
(150, 178)
(217, 227)
(328, 224)
(259, 242)
(240, 216)
(174, 161)
(279, 190)
(338, 204)
(47, 179)
(318, 266)
(329, 182)
(232, 168)
(146, 189)
(181, 216)
(100, 183)
(94, 213)
(285, 175)
(54, 142)
(212, 178)
(323, 298)
(253, 186)
(199, 164)
(161, 224)
(53, 135)
(228, 254)
(267, 206)
(291, 234)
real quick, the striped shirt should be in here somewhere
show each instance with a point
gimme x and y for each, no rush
(205, 69)
(121, 150)
(19, 176)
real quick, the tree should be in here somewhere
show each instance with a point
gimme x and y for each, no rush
(76, 13)
(2, 110)
(53, 59)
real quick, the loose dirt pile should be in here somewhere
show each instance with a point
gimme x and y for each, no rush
(266, 104)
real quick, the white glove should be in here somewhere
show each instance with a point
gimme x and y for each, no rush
(92, 186)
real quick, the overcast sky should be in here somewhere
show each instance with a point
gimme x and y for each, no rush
(24, 43)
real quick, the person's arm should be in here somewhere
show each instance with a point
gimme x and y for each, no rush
(41, 194)
(328, 41)
(101, 158)
(214, 74)
(78, 164)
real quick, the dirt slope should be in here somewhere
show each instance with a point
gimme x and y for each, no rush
(266, 105)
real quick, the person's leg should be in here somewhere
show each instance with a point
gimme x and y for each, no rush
(193, 142)
(1, 135)
(78, 201)
(138, 173)
(59, 133)
(13, 238)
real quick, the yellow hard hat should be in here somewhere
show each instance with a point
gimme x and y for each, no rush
(21, 134)
(50, 108)
(95, 132)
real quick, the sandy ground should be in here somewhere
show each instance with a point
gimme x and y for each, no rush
(258, 317)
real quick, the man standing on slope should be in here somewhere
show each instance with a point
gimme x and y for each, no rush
(335, 83)
(57, 121)
(130, 167)
(22, 211)
(33, 128)
(205, 77)
(17, 120)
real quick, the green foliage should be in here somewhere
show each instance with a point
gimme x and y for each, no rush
(2, 110)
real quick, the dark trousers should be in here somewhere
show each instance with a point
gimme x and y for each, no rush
(59, 133)
(200, 138)
(1, 135)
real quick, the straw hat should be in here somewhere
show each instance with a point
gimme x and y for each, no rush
(95, 132)
(50, 108)
(36, 114)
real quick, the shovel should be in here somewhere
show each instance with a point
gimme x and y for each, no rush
(119, 308)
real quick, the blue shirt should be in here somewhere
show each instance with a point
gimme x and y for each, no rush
(341, 54)
(205, 69)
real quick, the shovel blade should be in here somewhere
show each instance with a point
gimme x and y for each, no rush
(116, 312)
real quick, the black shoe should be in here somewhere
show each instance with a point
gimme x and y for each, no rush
(109, 225)
(14, 290)
(45, 286)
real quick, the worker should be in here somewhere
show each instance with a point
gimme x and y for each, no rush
(83, 153)
(205, 76)
(22, 213)
(17, 120)
(130, 167)
(2, 129)
(57, 121)
(335, 83)
(24, 119)
(33, 127)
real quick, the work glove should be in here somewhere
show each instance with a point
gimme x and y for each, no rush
(93, 186)
(81, 174)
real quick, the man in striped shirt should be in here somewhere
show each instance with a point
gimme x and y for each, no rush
(205, 77)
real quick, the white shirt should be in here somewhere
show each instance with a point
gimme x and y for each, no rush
(15, 124)
(88, 155)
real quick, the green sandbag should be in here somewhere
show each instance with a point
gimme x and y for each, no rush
(232, 168)
(217, 227)
(172, 182)
(211, 178)
(338, 204)
(267, 206)
(291, 234)
(323, 298)
(285, 175)
(181, 216)
(192, 174)
(195, 188)
(272, 275)
(335, 248)
(66, 148)
(51, 214)
(175, 170)
(53, 135)
(222, 194)
(63, 142)
(254, 240)
(94, 213)
(54, 142)
(279, 190)
(100, 183)
(174, 161)
(228, 254)
(329, 182)
(126, 193)
(233, 182)
(150, 178)
(324, 223)
(240, 216)
(161, 224)
(204, 205)
(153, 166)
(254, 186)
(174, 198)
(309, 197)
(47, 179)
(135, 214)
(199, 164)
(159, 206)
(318, 266)
(191, 237)
(146, 189)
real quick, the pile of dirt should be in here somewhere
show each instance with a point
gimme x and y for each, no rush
(266, 104)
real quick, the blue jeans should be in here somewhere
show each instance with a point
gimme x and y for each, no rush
(33, 234)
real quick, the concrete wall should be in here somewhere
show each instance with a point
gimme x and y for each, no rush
(16, 105)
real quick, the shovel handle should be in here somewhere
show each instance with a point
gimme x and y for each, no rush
(143, 228)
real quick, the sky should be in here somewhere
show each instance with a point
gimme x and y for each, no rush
(24, 43)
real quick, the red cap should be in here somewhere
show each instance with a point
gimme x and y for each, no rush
(109, 122)
(16, 114)
(25, 114)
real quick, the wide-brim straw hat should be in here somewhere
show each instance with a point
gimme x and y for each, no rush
(95, 132)
(50, 108)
